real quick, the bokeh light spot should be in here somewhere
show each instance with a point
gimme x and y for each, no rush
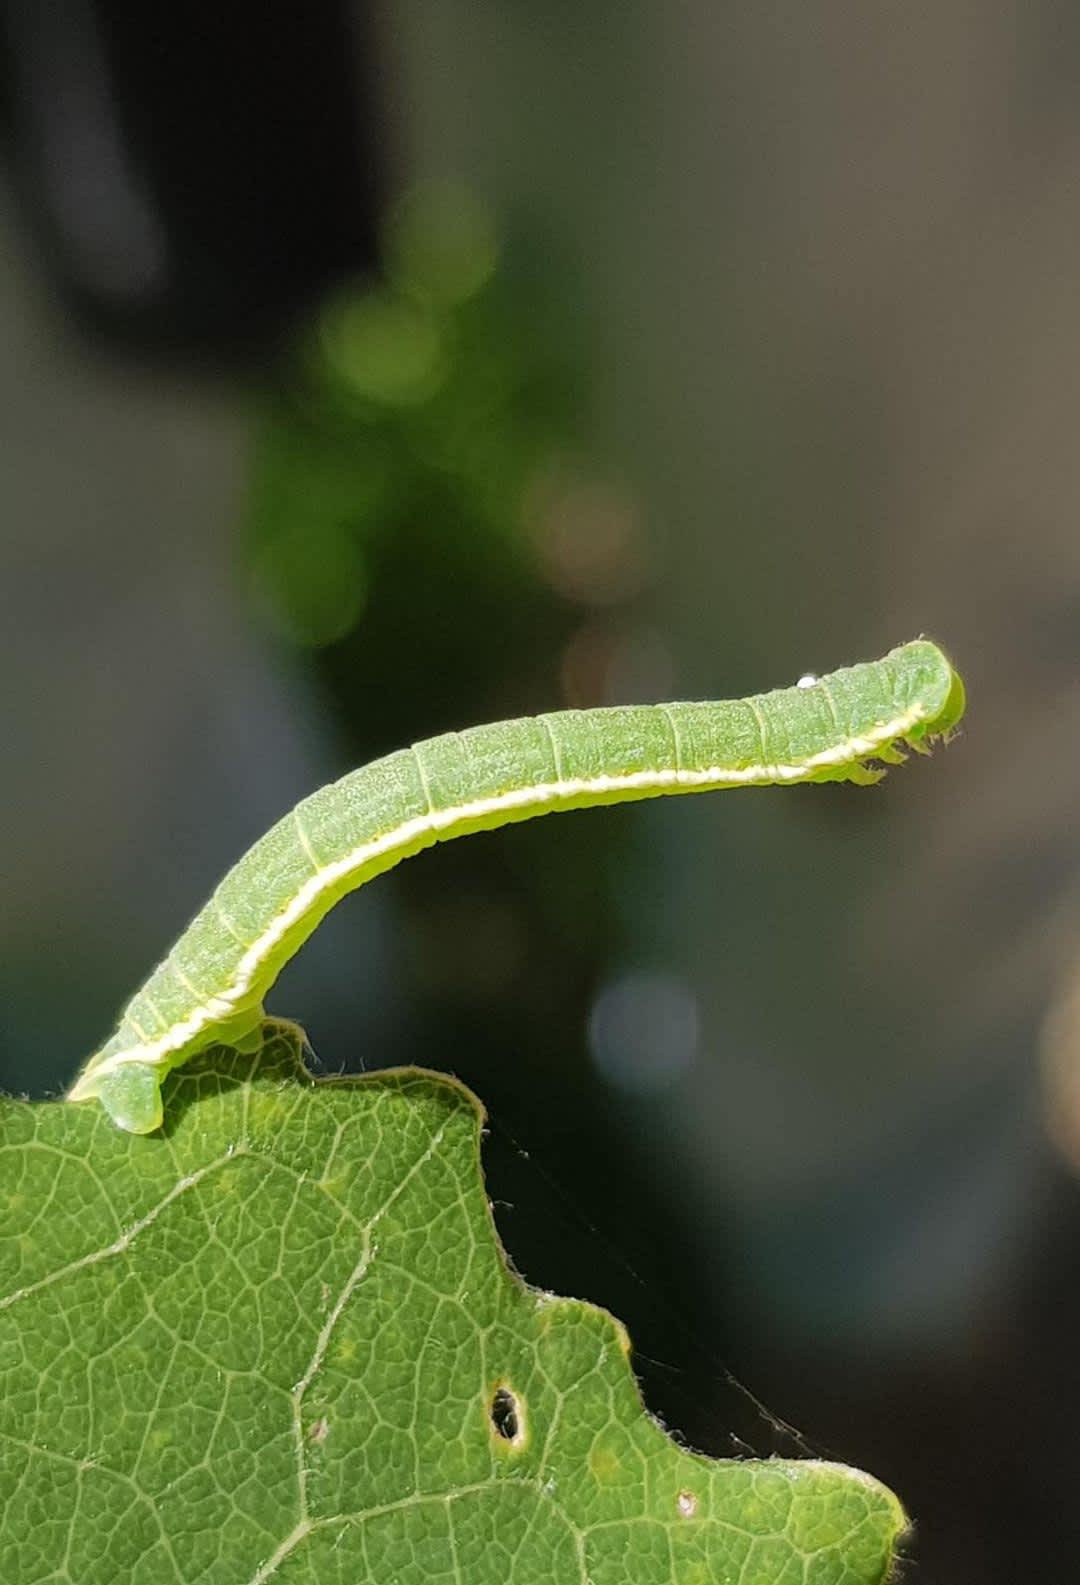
(643, 1030)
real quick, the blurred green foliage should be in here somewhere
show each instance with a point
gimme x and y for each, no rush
(409, 468)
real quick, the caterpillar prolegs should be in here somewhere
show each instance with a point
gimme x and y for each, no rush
(209, 989)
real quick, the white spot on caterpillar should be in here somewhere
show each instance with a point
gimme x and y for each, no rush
(807, 680)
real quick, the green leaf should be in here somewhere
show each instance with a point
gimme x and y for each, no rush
(280, 1342)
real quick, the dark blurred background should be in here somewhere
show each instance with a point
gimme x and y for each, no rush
(371, 372)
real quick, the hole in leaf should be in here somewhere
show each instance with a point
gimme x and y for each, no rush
(505, 1417)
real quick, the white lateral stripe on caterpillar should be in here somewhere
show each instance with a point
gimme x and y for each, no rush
(217, 1008)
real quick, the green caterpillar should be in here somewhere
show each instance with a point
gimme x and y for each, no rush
(210, 988)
